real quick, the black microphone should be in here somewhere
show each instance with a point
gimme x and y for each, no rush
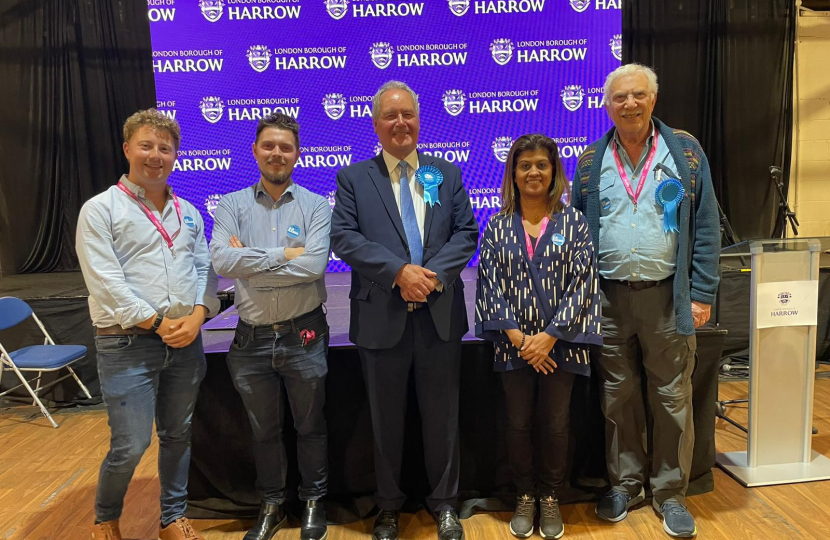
(665, 170)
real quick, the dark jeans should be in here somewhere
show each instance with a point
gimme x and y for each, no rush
(142, 380)
(262, 361)
(538, 406)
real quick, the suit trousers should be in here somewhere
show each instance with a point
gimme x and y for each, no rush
(436, 366)
(640, 339)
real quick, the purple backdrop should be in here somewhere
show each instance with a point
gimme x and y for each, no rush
(486, 72)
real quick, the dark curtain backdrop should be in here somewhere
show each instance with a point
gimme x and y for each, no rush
(71, 71)
(725, 73)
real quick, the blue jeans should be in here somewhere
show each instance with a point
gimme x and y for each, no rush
(263, 360)
(142, 380)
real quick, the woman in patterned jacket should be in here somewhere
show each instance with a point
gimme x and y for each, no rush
(538, 301)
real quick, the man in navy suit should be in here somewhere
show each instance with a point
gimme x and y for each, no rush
(407, 250)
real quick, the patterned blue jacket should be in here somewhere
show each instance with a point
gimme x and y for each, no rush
(557, 291)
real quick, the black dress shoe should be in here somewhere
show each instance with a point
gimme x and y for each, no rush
(449, 528)
(271, 519)
(386, 525)
(314, 525)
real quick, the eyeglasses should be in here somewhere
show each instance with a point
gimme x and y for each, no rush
(639, 97)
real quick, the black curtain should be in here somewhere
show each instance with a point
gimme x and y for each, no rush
(71, 71)
(725, 73)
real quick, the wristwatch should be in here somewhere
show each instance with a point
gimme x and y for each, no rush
(157, 322)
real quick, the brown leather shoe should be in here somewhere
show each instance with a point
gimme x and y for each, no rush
(107, 530)
(179, 530)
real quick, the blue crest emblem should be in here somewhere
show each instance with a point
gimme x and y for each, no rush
(211, 9)
(334, 105)
(459, 7)
(259, 56)
(337, 8)
(580, 5)
(454, 101)
(212, 108)
(293, 231)
(557, 239)
(616, 46)
(572, 96)
(381, 53)
(605, 204)
(189, 221)
(501, 148)
(784, 298)
(212, 203)
(502, 51)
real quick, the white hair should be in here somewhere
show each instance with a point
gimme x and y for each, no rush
(392, 85)
(629, 69)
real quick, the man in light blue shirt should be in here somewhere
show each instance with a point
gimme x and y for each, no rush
(273, 239)
(145, 262)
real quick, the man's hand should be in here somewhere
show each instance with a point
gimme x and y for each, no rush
(234, 242)
(415, 282)
(536, 350)
(293, 253)
(185, 329)
(701, 313)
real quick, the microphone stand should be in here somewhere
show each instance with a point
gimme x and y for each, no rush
(784, 210)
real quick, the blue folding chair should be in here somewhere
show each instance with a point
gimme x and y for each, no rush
(37, 358)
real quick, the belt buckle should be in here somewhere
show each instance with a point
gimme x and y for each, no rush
(410, 307)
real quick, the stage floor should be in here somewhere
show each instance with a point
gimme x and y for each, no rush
(50, 498)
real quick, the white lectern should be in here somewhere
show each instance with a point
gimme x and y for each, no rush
(782, 356)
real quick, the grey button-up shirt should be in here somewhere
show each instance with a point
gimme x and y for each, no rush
(633, 246)
(270, 288)
(128, 268)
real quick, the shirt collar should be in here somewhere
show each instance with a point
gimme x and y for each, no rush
(392, 162)
(648, 141)
(136, 189)
(259, 188)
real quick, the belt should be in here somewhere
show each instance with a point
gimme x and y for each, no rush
(412, 306)
(294, 324)
(638, 285)
(118, 331)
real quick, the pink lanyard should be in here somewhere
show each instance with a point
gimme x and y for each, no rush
(643, 174)
(544, 226)
(149, 213)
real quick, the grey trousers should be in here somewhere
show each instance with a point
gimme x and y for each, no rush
(640, 339)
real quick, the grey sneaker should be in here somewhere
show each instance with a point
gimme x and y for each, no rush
(550, 523)
(521, 525)
(677, 521)
(614, 505)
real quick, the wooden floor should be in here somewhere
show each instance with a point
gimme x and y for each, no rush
(48, 477)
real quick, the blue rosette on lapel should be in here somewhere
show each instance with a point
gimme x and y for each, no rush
(430, 177)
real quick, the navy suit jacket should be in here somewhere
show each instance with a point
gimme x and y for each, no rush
(367, 234)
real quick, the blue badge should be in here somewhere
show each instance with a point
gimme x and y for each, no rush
(557, 239)
(606, 204)
(189, 221)
(668, 195)
(294, 231)
(430, 177)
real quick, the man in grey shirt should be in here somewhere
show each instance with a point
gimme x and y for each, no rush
(145, 261)
(273, 239)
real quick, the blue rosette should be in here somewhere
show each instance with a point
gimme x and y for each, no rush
(430, 177)
(669, 194)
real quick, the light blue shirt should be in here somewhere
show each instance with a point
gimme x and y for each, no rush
(633, 246)
(270, 288)
(128, 268)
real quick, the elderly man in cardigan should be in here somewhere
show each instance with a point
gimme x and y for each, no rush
(646, 191)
